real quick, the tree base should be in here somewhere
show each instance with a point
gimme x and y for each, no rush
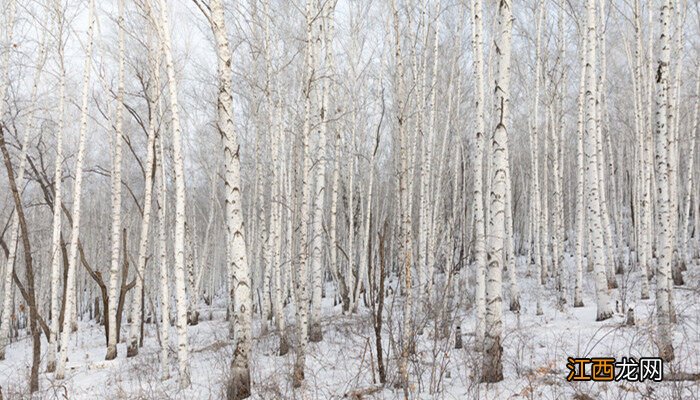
(284, 345)
(185, 380)
(515, 305)
(192, 318)
(315, 333)
(239, 385)
(111, 353)
(618, 269)
(51, 367)
(578, 303)
(666, 352)
(132, 350)
(603, 315)
(677, 277)
(298, 375)
(493, 367)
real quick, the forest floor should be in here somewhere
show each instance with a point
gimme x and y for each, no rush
(344, 363)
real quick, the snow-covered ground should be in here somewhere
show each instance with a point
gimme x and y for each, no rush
(535, 352)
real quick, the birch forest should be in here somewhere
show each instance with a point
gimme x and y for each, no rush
(349, 199)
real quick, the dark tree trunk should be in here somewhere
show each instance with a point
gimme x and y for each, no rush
(380, 308)
(31, 299)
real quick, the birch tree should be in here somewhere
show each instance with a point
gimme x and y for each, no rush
(10, 262)
(162, 251)
(478, 201)
(113, 336)
(492, 370)
(558, 127)
(180, 284)
(535, 148)
(137, 304)
(20, 227)
(325, 42)
(405, 236)
(690, 172)
(643, 245)
(595, 228)
(581, 175)
(238, 385)
(77, 192)
(58, 195)
(663, 287)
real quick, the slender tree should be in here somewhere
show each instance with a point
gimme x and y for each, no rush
(180, 285)
(77, 192)
(665, 244)
(492, 370)
(58, 195)
(595, 228)
(113, 335)
(9, 266)
(478, 191)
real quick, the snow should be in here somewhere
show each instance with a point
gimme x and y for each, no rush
(535, 352)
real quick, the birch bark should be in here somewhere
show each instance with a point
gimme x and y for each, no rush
(581, 181)
(604, 311)
(77, 191)
(492, 370)
(478, 191)
(7, 279)
(665, 244)
(113, 336)
(302, 307)
(58, 197)
(180, 284)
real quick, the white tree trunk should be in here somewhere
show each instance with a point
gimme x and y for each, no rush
(593, 201)
(162, 252)
(557, 173)
(478, 191)
(77, 191)
(536, 195)
(428, 139)
(665, 244)
(601, 116)
(324, 41)
(275, 245)
(302, 307)
(135, 330)
(180, 284)
(7, 278)
(238, 386)
(57, 211)
(276, 232)
(649, 159)
(406, 245)
(349, 275)
(643, 209)
(492, 370)
(690, 178)
(581, 179)
(113, 335)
